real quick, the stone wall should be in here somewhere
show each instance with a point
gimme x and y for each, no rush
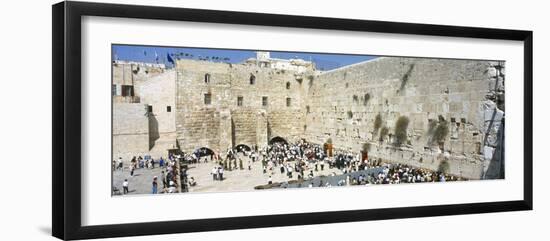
(159, 92)
(457, 95)
(201, 128)
(131, 74)
(130, 130)
(451, 111)
(236, 99)
(243, 125)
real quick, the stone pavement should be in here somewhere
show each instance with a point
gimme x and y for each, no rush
(236, 180)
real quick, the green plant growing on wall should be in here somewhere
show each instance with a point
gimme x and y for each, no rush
(440, 132)
(310, 78)
(366, 147)
(366, 99)
(377, 122)
(383, 133)
(444, 166)
(431, 126)
(350, 114)
(401, 130)
(406, 77)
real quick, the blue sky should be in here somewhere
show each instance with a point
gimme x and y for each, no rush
(150, 53)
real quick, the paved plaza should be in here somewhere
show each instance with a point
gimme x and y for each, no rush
(235, 180)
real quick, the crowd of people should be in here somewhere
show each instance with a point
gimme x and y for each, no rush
(301, 161)
(310, 160)
(169, 174)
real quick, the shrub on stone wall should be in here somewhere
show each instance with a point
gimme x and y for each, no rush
(431, 126)
(401, 130)
(383, 133)
(440, 132)
(366, 147)
(377, 122)
(366, 99)
(406, 76)
(444, 166)
(310, 78)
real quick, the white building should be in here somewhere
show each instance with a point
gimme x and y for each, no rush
(263, 59)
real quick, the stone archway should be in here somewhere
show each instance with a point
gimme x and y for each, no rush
(203, 151)
(242, 147)
(277, 139)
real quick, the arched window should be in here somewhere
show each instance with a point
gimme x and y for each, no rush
(287, 85)
(252, 79)
(207, 78)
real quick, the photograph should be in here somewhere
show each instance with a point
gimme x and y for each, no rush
(196, 120)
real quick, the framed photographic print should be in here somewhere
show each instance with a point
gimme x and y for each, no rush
(231, 120)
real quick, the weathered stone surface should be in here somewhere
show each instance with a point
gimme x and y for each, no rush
(219, 105)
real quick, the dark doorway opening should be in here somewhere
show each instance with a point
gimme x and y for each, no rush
(242, 148)
(203, 151)
(277, 139)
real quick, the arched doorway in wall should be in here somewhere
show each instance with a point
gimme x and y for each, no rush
(203, 151)
(242, 148)
(277, 139)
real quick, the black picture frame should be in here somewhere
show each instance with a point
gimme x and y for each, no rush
(66, 127)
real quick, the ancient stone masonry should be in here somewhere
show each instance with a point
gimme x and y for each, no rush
(452, 120)
(249, 104)
(130, 137)
(143, 95)
(439, 114)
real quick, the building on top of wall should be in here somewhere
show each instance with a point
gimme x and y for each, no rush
(263, 59)
(143, 64)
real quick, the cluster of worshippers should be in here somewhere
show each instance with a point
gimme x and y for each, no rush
(303, 160)
(168, 176)
(306, 159)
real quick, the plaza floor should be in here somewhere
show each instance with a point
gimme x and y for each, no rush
(235, 180)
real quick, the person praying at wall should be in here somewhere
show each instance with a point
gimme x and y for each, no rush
(125, 186)
(155, 185)
(163, 178)
(141, 162)
(119, 163)
(220, 173)
(161, 162)
(214, 173)
(133, 162)
(172, 187)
